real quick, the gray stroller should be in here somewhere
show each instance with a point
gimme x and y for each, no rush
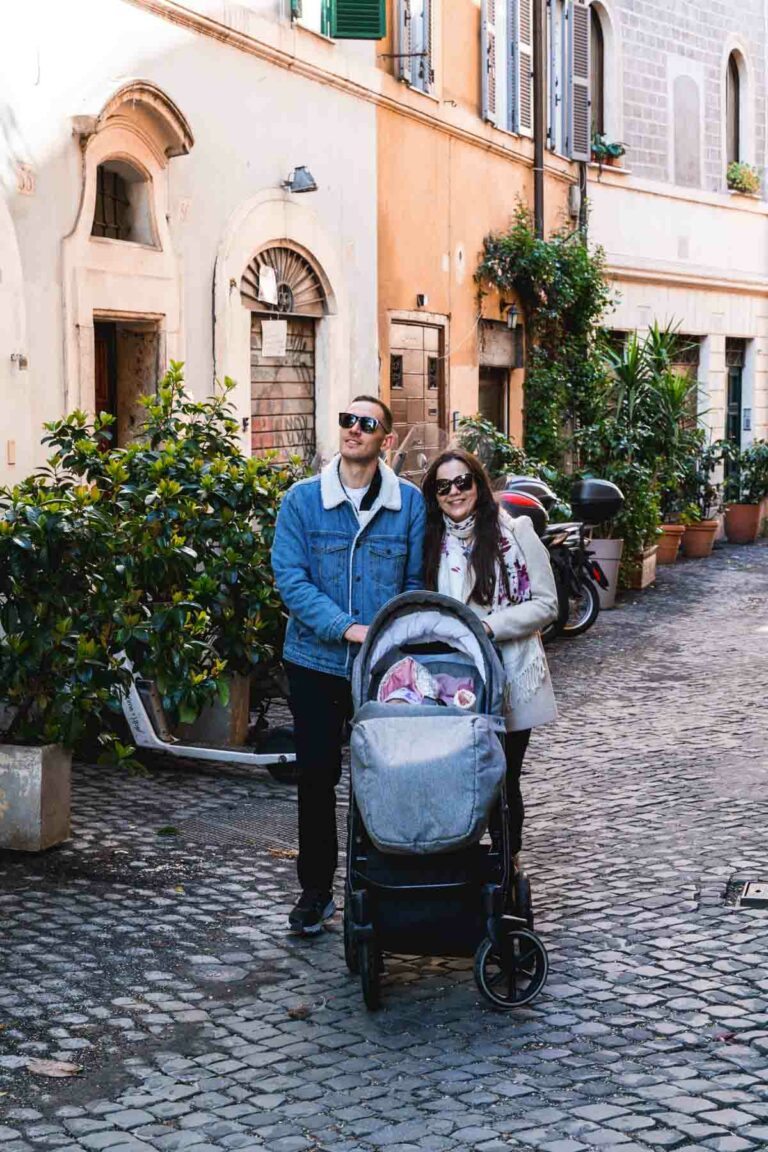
(424, 876)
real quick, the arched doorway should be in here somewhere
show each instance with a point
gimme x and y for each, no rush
(284, 293)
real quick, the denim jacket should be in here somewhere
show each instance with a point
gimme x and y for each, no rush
(331, 572)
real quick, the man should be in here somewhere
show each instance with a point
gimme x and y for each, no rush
(346, 541)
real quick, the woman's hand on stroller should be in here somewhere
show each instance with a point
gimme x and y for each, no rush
(356, 633)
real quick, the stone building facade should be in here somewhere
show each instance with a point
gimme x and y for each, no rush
(145, 150)
(684, 88)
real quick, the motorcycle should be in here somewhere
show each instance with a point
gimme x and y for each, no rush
(578, 575)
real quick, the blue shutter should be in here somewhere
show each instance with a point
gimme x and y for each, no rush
(403, 42)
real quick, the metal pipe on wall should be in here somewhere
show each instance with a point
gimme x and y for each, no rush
(539, 112)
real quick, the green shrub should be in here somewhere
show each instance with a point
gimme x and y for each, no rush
(159, 550)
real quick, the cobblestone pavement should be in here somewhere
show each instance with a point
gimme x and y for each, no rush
(160, 962)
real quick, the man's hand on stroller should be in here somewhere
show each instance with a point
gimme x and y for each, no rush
(356, 633)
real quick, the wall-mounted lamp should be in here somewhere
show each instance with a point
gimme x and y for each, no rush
(512, 312)
(21, 360)
(300, 180)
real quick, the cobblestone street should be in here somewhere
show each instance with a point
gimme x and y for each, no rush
(152, 949)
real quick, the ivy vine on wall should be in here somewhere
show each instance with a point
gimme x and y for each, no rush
(561, 285)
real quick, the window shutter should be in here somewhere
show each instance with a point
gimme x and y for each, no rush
(488, 58)
(426, 63)
(578, 143)
(358, 19)
(403, 46)
(521, 35)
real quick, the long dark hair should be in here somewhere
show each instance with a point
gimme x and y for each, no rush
(486, 550)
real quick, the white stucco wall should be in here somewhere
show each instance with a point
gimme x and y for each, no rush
(698, 259)
(252, 122)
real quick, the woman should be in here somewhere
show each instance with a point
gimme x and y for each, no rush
(476, 553)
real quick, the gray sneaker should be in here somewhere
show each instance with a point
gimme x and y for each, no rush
(311, 911)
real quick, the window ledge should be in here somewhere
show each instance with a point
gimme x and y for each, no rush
(413, 88)
(124, 243)
(313, 31)
(738, 192)
(619, 169)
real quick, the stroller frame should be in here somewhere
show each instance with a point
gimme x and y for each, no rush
(472, 902)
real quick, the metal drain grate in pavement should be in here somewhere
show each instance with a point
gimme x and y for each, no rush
(272, 826)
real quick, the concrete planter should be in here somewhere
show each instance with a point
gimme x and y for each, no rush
(608, 554)
(225, 725)
(35, 791)
(641, 568)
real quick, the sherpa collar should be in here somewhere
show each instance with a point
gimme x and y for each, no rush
(333, 494)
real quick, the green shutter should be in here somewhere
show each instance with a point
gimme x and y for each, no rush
(358, 19)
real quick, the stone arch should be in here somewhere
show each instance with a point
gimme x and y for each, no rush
(612, 83)
(736, 48)
(272, 219)
(138, 281)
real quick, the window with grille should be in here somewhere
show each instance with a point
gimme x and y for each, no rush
(395, 371)
(123, 208)
(111, 216)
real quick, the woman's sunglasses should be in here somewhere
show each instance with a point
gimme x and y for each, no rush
(461, 483)
(367, 424)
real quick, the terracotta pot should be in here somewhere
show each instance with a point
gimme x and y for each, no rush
(742, 523)
(698, 539)
(640, 570)
(669, 543)
(608, 554)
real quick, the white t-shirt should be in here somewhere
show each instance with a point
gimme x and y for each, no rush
(357, 495)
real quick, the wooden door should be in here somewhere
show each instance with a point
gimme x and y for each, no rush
(416, 379)
(283, 393)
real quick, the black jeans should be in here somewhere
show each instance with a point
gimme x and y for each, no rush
(515, 744)
(321, 705)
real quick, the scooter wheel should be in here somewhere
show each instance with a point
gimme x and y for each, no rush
(584, 609)
(513, 975)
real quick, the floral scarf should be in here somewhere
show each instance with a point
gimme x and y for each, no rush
(524, 660)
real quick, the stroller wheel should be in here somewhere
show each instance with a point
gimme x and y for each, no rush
(523, 904)
(350, 945)
(512, 976)
(369, 959)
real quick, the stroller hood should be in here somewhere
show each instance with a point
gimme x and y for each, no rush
(417, 617)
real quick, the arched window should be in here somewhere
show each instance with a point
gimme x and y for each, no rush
(733, 143)
(122, 210)
(597, 71)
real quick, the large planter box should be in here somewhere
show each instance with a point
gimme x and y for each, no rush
(742, 523)
(640, 569)
(224, 725)
(699, 539)
(608, 554)
(35, 796)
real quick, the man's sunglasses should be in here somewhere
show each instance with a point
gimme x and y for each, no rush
(461, 483)
(368, 424)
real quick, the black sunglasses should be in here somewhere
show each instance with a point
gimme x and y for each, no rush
(368, 424)
(462, 483)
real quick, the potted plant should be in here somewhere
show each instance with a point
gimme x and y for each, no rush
(746, 486)
(703, 501)
(605, 151)
(192, 532)
(59, 663)
(743, 178)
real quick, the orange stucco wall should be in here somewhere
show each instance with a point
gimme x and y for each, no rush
(446, 179)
